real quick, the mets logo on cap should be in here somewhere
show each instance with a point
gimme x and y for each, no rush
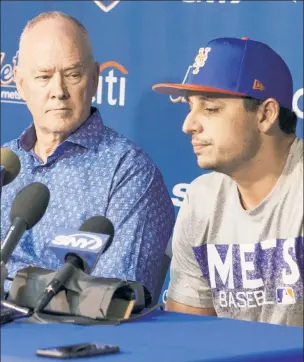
(200, 59)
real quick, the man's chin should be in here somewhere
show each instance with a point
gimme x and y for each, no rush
(205, 164)
(56, 128)
(208, 166)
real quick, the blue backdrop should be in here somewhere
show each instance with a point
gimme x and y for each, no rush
(140, 43)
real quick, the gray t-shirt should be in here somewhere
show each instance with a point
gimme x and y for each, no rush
(246, 264)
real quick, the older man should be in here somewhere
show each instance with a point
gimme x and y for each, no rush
(89, 168)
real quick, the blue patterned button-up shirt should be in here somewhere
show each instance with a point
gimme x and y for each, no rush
(95, 171)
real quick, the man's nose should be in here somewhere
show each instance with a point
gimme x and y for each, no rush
(191, 124)
(58, 87)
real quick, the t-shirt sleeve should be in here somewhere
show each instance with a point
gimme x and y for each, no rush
(187, 285)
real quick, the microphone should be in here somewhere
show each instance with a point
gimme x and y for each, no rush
(27, 209)
(10, 166)
(3, 276)
(79, 250)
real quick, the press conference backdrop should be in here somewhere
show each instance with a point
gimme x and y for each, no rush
(140, 43)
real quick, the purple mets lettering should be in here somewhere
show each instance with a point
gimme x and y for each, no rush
(250, 275)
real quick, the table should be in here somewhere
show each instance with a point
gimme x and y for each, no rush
(163, 337)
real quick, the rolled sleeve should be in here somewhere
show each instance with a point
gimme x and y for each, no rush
(142, 213)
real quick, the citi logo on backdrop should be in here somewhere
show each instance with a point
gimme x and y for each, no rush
(111, 87)
(112, 84)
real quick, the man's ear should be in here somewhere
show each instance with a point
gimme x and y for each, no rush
(95, 76)
(19, 82)
(268, 115)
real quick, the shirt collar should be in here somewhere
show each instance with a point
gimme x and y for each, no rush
(88, 135)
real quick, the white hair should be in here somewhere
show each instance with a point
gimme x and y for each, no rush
(56, 15)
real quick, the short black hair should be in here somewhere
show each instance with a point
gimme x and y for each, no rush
(287, 118)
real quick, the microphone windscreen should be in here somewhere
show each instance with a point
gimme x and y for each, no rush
(11, 163)
(31, 203)
(99, 225)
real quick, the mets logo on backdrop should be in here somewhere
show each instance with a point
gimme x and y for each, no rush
(106, 6)
(9, 93)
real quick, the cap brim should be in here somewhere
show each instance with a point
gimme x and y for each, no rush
(181, 90)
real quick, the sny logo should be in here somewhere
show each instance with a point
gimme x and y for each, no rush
(81, 241)
(106, 6)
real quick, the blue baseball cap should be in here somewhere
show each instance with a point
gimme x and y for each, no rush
(240, 67)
